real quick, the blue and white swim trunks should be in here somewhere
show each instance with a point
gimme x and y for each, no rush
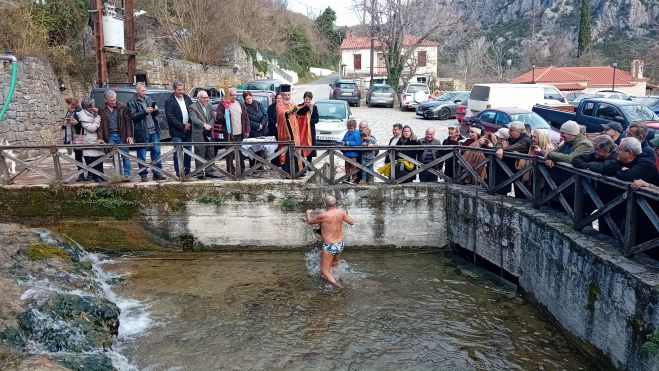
(333, 247)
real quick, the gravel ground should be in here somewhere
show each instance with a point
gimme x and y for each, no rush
(380, 119)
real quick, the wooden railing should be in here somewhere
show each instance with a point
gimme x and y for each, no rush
(578, 193)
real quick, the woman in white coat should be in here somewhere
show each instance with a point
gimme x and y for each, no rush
(91, 122)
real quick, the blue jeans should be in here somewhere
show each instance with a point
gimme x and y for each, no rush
(364, 175)
(155, 154)
(115, 138)
(187, 160)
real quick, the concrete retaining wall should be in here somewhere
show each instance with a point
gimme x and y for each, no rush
(271, 216)
(594, 293)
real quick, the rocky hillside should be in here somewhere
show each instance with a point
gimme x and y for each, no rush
(546, 31)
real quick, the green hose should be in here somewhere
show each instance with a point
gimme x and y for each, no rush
(14, 69)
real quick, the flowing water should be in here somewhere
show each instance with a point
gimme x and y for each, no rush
(265, 310)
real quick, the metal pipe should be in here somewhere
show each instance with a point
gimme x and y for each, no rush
(14, 71)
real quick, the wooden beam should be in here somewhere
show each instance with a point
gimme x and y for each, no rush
(129, 34)
(99, 44)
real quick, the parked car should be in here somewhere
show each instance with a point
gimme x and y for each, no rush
(265, 97)
(413, 95)
(125, 94)
(651, 101)
(264, 84)
(484, 96)
(607, 94)
(215, 95)
(443, 107)
(346, 90)
(494, 119)
(380, 95)
(594, 112)
(460, 112)
(572, 95)
(333, 115)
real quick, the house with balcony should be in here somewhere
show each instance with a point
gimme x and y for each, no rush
(356, 57)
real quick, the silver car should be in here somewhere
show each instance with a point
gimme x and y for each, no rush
(443, 107)
(380, 95)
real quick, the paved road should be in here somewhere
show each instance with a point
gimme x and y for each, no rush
(380, 119)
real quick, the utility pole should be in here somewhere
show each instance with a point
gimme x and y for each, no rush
(129, 31)
(372, 42)
(99, 44)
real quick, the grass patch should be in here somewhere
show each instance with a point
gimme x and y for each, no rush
(210, 199)
(44, 251)
(108, 236)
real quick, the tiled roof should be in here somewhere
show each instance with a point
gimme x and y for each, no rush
(593, 76)
(364, 42)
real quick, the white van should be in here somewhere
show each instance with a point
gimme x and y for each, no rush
(484, 96)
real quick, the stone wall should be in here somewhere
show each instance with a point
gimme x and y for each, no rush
(37, 107)
(161, 72)
(582, 280)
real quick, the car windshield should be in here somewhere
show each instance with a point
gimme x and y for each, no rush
(257, 86)
(532, 119)
(447, 97)
(638, 112)
(414, 88)
(648, 101)
(346, 85)
(584, 96)
(261, 99)
(332, 110)
(382, 89)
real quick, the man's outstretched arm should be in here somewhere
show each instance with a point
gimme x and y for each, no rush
(312, 219)
(348, 219)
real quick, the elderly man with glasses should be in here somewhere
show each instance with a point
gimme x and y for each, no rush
(202, 117)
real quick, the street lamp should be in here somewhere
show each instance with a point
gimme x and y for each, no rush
(533, 75)
(613, 84)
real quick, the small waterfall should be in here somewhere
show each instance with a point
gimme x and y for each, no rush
(53, 333)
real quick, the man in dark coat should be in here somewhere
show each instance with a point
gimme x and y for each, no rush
(454, 138)
(178, 120)
(116, 128)
(304, 109)
(146, 129)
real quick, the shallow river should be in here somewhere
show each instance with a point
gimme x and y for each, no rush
(264, 310)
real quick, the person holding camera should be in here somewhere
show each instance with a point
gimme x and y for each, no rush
(144, 112)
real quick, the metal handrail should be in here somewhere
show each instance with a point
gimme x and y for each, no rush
(636, 203)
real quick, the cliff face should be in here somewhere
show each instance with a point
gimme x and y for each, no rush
(633, 17)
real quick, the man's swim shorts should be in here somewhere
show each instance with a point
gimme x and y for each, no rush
(333, 247)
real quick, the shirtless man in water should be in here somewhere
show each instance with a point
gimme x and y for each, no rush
(331, 228)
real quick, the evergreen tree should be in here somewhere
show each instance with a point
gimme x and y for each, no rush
(584, 28)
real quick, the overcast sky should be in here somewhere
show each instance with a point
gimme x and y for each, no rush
(343, 8)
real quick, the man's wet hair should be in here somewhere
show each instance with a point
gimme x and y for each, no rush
(330, 201)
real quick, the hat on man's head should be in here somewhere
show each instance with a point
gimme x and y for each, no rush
(613, 125)
(502, 133)
(570, 127)
(285, 88)
(655, 142)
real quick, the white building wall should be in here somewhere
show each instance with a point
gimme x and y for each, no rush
(347, 59)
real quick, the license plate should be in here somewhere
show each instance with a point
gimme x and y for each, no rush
(325, 138)
(346, 93)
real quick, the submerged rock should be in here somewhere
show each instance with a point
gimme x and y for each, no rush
(54, 314)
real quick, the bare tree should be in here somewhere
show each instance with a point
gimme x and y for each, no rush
(390, 21)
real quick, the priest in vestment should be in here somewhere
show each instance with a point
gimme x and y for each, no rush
(292, 127)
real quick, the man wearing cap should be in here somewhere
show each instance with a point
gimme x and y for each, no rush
(291, 127)
(614, 130)
(574, 144)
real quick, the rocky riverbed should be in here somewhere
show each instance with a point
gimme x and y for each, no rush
(54, 312)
